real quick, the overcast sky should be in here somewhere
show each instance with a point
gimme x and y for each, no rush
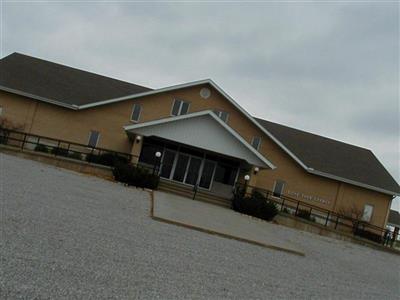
(327, 68)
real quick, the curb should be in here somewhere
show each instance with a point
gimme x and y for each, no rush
(217, 233)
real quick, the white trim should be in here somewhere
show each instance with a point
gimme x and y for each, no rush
(140, 112)
(203, 113)
(273, 138)
(194, 83)
(372, 213)
(283, 187)
(259, 144)
(180, 107)
(219, 114)
(349, 181)
(180, 86)
(97, 140)
(148, 93)
(17, 92)
(214, 85)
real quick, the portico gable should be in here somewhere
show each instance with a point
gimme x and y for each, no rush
(202, 130)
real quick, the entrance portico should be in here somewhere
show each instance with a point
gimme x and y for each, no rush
(198, 149)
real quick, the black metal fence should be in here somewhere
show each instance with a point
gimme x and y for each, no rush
(322, 216)
(56, 147)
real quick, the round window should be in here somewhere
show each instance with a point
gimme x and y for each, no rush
(205, 93)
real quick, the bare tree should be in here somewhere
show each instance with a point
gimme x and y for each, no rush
(354, 213)
(6, 126)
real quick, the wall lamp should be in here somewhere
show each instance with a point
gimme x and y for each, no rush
(256, 169)
(138, 139)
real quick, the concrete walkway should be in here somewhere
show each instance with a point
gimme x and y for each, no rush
(219, 220)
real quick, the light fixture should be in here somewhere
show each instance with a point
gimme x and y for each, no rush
(246, 177)
(138, 139)
(158, 154)
(256, 169)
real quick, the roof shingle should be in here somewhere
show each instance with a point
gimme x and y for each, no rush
(61, 83)
(333, 157)
(73, 87)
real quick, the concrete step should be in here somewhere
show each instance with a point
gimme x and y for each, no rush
(186, 191)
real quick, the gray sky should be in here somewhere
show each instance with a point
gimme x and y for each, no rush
(327, 68)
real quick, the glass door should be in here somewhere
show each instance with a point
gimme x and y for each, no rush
(193, 171)
(167, 163)
(187, 169)
(180, 167)
(207, 174)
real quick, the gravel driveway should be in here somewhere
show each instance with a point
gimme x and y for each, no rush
(70, 236)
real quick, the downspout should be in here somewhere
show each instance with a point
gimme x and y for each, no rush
(33, 116)
(388, 211)
(340, 184)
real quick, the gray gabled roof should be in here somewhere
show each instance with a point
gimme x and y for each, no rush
(394, 217)
(327, 156)
(76, 89)
(58, 83)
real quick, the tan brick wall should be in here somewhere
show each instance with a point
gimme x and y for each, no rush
(57, 122)
(359, 196)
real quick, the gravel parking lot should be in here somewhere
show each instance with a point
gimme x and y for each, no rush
(69, 236)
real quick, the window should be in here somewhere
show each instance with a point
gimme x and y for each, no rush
(367, 213)
(180, 107)
(256, 142)
(136, 110)
(93, 138)
(223, 115)
(278, 188)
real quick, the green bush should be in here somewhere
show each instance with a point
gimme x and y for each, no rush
(305, 214)
(75, 155)
(59, 151)
(41, 148)
(368, 235)
(66, 153)
(107, 159)
(255, 205)
(136, 176)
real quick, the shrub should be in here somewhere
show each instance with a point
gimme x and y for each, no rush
(305, 214)
(136, 176)
(75, 155)
(255, 205)
(107, 159)
(59, 151)
(41, 148)
(368, 235)
(3, 139)
(66, 153)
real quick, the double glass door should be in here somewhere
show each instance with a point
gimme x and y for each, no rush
(188, 169)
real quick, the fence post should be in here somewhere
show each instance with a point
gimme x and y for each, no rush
(297, 208)
(23, 142)
(327, 218)
(282, 204)
(58, 147)
(194, 191)
(91, 153)
(337, 221)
